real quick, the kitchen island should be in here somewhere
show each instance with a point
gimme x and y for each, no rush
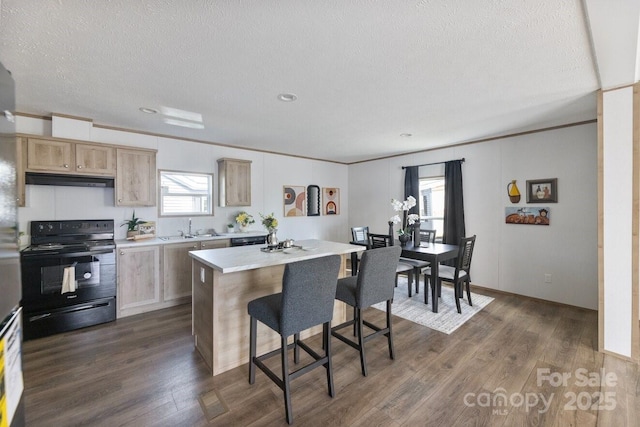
(225, 280)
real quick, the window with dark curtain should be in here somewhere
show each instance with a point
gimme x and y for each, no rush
(412, 186)
(454, 228)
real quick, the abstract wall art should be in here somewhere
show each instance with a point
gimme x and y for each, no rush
(331, 201)
(295, 200)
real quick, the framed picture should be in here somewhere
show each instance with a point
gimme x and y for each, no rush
(313, 200)
(527, 215)
(295, 200)
(542, 190)
(331, 200)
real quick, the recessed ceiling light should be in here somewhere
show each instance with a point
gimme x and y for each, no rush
(287, 97)
(406, 135)
(184, 124)
(148, 110)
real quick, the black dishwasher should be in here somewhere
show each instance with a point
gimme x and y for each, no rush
(249, 240)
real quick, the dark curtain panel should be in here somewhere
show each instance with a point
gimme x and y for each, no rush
(453, 203)
(412, 186)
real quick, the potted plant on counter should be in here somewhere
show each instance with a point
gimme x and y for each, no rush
(244, 220)
(132, 225)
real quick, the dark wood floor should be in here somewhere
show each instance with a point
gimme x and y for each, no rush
(143, 371)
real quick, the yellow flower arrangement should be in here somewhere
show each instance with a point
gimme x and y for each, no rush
(244, 219)
(269, 221)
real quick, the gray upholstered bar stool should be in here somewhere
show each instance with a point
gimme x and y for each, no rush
(306, 300)
(374, 283)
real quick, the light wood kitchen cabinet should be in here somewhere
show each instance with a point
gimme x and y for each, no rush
(135, 177)
(213, 244)
(176, 266)
(139, 283)
(134, 169)
(95, 159)
(177, 270)
(234, 182)
(152, 277)
(49, 155)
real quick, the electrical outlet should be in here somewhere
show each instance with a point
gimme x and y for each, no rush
(547, 278)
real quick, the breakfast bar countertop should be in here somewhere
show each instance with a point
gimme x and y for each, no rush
(241, 258)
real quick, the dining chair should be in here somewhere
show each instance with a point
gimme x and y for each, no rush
(427, 236)
(458, 275)
(307, 299)
(403, 267)
(373, 284)
(359, 234)
(417, 264)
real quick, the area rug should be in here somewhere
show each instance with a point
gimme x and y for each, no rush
(212, 404)
(446, 320)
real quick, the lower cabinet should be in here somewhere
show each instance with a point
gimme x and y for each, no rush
(138, 280)
(157, 276)
(176, 264)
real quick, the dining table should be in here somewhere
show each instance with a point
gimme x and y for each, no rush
(433, 253)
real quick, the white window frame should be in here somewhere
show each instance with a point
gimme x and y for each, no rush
(437, 220)
(208, 209)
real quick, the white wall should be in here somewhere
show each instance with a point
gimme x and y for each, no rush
(512, 258)
(509, 257)
(269, 173)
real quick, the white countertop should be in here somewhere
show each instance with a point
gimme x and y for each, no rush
(123, 243)
(240, 258)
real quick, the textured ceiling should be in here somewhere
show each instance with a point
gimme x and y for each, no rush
(364, 71)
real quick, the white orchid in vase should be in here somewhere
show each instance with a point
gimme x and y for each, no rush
(407, 220)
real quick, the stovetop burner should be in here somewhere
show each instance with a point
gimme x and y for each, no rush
(70, 236)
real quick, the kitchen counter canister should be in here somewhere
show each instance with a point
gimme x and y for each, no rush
(224, 280)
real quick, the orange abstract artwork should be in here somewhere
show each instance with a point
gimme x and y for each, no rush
(295, 200)
(331, 201)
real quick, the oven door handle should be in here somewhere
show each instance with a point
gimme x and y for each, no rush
(70, 310)
(85, 253)
(42, 255)
(39, 317)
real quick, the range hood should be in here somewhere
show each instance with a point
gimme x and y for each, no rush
(68, 180)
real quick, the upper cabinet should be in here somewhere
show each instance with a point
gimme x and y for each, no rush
(136, 177)
(45, 155)
(95, 159)
(234, 182)
(134, 169)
